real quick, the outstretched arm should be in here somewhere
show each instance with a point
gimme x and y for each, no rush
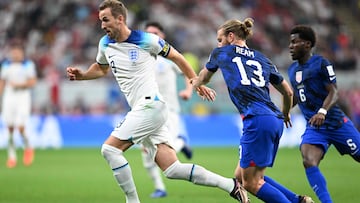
(182, 63)
(94, 71)
(287, 93)
(203, 91)
(204, 78)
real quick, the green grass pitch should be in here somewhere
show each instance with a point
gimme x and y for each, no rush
(82, 176)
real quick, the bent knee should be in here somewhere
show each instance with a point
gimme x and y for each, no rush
(310, 162)
(108, 150)
(103, 150)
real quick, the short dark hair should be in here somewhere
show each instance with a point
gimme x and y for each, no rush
(155, 24)
(305, 32)
(116, 6)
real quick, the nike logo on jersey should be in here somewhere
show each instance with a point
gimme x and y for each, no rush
(332, 78)
(112, 56)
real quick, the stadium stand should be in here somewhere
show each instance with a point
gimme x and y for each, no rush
(58, 33)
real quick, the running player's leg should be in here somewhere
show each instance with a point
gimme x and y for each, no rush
(313, 147)
(258, 148)
(288, 193)
(138, 126)
(312, 155)
(112, 150)
(173, 169)
(154, 173)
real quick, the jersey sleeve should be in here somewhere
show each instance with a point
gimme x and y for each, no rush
(100, 57)
(211, 65)
(275, 76)
(327, 72)
(155, 45)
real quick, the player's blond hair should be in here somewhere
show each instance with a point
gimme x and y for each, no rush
(240, 29)
(117, 8)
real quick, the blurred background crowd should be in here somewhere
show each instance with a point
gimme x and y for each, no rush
(57, 34)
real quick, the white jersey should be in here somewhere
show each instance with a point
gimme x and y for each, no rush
(166, 73)
(16, 105)
(17, 73)
(131, 62)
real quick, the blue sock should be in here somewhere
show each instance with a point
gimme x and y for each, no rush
(288, 193)
(318, 184)
(268, 193)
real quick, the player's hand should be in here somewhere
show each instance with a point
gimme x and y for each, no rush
(73, 73)
(317, 120)
(185, 94)
(17, 86)
(195, 82)
(206, 93)
(287, 120)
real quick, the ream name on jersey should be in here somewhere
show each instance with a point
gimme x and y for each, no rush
(245, 52)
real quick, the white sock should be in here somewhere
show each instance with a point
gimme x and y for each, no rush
(12, 152)
(153, 171)
(198, 175)
(122, 172)
(11, 148)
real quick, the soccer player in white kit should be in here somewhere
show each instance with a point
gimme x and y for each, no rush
(130, 55)
(18, 76)
(166, 73)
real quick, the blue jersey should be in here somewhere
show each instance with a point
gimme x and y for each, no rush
(309, 83)
(247, 74)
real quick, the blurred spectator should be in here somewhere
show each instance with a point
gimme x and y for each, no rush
(64, 32)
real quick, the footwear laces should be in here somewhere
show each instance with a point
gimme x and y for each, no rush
(239, 192)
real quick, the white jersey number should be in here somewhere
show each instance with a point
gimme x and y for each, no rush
(302, 95)
(259, 81)
(351, 144)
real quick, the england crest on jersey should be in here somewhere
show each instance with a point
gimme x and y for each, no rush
(298, 76)
(133, 55)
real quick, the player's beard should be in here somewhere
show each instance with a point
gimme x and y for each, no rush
(114, 34)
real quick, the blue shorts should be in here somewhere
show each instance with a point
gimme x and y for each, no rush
(260, 140)
(346, 139)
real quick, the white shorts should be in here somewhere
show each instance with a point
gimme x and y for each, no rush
(15, 112)
(145, 124)
(176, 125)
(173, 124)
